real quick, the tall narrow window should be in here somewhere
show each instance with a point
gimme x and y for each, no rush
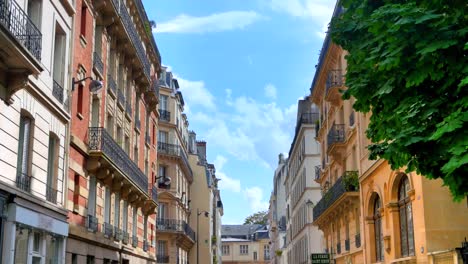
(162, 249)
(35, 12)
(127, 145)
(110, 125)
(59, 56)
(92, 196)
(134, 222)
(406, 219)
(137, 108)
(52, 169)
(76, 192)
(162, 136)
(79, 106)
(117, 210)
(84, 15)
(107, 205)
(125, 216)
(24, 154)
(378, 235)
(162, 211)
(163, 102)
(95, 113)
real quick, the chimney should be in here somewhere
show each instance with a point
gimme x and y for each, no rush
(192, 142)
(201, 150)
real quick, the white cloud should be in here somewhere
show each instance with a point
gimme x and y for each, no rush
(197, 92)
(226, 182)
(254, 196)
(318, 10)
(270, 91)
(216, 22)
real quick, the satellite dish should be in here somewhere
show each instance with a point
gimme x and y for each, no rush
(95, 86)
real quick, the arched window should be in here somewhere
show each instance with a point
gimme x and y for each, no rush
(379, 255)
(406, 219)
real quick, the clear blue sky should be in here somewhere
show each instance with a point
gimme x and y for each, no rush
(242, 66)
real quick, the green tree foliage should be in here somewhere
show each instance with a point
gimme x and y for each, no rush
(260, 218)
(408, 65)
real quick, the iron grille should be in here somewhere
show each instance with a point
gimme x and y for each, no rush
(164, 115)
(335, 192)
(111, 85)
(117, 233)
(357, 238)
(92, 223)
(175, 225)
(23, 181)
(162, 259)
(145, 246)
(108, 230)
(336, 135)
(57, 91)
(135, 241)
(51, 194)
(101, 141)
(18, 23)
(335, 79)
(97, 63)
(125, 237)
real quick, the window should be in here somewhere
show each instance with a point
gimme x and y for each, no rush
(162, 248)
(127, 144)
(137, 108)
(107, 205)
(162, 173)
(135, 150)
(110, 125)
(119, 136)
(80, 100)
(266, 252)
(406, 219)
(225, 250)
(74, 258)
(35, 12)
(162, 210)
(117, 210)
(84, 14)
(90, 259)
(134, 221)
(34, 246)
(163, 102)
(24, 153)
(125, 215)
(255, 255)
(244, 249)
(378, 235)
(59, 55)
(52, 169)
(162, 136)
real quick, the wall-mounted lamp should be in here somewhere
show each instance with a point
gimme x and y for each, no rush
(95, 85)
(309, 203)
(165, 183)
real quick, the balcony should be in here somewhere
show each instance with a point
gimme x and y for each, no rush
(125, 237)
(345, 188)
(152, 96)
(162, 259)
(57, 91)
(22, 38)
(92, 223)
(164, 115)
(335, 83)
(144, 17)
(120, 98)
(102, 145)
(177, 226)
(134, 241)
(358, 240)
(336, 139)
(98, 65)
(118, 234)
(23, 181)
(111, 85)
(108, 230)
(173, 150)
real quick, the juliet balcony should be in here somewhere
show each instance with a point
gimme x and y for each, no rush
(164, 115)
(335, 83)
(108, 161)
(175, 151)
(336, 140)
(345, 190)
(20, 46)
(164, 225)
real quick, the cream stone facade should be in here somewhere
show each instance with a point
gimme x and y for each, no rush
(35, 44)
(175, 236)
(246, 244)
(370, 213)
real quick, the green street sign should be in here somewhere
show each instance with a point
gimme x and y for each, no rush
(320, 258)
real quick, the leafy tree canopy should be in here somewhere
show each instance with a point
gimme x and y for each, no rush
(260, 218)
(408, 65)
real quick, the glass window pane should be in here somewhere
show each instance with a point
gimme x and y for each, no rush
(21, 245)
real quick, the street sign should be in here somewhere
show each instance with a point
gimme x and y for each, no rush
(320, 258)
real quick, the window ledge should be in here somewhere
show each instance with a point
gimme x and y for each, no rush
(83, 41)
(411, 259)
(80, 116)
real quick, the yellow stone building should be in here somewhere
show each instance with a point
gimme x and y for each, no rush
(370, 213)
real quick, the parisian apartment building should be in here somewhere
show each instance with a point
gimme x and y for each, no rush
(248, 243)
(94, 156)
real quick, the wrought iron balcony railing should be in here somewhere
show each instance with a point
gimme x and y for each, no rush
(347, 183)
(125, 237)
(128, 108)
(335, 79)
(14, 19)
(97, 63)
(145, 245)
(23, 181)
(51, 194)
(111, 85)
(174, 150)
(336, 135)
(174, 225)
(164, 115)
(118, 235)
(357, 238)
(92, 223)
(108, 230)
(101, 141)
(351, 119)
(346, 245)
(318, 170)
(134, 241)
(120, 97)
(144, 17)
(57, 91)
(162, 259)
(338, 248)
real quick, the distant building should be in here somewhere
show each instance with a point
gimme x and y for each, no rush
(245, 244)
(277, 214)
